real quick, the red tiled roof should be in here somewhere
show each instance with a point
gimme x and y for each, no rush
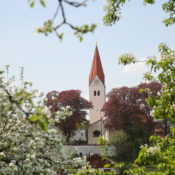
(96, 68)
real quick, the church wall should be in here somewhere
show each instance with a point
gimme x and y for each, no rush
(106, 134)
(98, 100)
(94, 127)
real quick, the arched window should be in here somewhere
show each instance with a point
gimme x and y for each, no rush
(94, 93)
(96, 133)
(98, 93)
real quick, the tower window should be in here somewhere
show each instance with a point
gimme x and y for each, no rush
(94, 93)
(96, 133)
(98, 93)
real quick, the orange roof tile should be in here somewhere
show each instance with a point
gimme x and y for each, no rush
(96, 68)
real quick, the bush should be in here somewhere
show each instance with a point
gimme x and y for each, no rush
(137, 137)
(118, 137)
(128, 145)
(120, 140)
(97, 161)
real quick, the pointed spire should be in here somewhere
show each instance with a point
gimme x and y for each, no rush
(96, 68)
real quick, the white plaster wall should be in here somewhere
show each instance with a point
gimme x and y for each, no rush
(105, 134)
(91, 129)
(97, 101)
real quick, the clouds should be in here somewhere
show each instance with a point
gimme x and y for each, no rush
(139, 67)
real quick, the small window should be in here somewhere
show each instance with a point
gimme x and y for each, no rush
(98, 93)
(96, 133)
(94, 93)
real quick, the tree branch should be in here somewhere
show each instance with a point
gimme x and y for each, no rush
(12, 101)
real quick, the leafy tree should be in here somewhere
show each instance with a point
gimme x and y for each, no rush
(78, 105)
(111, 7)
(126, 107)
(163, 108)
(161, 153)
(128, 145)
(113, 10)
(119, 111)
(25, 147)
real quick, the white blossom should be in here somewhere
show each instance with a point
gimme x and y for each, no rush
(29, 149)
(153, 150)
(152, 113)
(11, 164)
(46, 111)
(2, 154)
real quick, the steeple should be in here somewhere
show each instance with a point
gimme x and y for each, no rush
(96, 68)
(97, 96)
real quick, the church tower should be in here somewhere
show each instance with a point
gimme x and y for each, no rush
(96, 88)
(97, 97)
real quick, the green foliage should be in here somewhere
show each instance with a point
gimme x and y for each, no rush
(148, 1)
(121, 142)
(136, 171)
(137, 137)
(148, 77)
(149, 156)
(162, 152)
(126, 59)
(113, 14)
(95, 172)
(32, 3)
(29, 141)
(127, 144)
(163, 106)
(79, 31)
(47, 28)
(113, 11)
(102, 141)
(104, 147)
(51, 27)
(42, 3)
(169, 7)
(118, 137)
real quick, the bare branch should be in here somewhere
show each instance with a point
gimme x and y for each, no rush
(76, 4)
(58, 26)
(62, 11)
(56, 13)
(50, 27)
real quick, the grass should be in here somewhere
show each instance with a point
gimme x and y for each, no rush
(150, 169)
(72, 171)
(153, 169)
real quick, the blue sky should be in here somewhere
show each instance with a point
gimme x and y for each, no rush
(52, 65)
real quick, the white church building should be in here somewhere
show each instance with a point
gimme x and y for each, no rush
(97, 95)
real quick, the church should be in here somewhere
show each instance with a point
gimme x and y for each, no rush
(97, 96)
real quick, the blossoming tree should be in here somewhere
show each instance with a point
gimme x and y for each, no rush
(29, 142)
